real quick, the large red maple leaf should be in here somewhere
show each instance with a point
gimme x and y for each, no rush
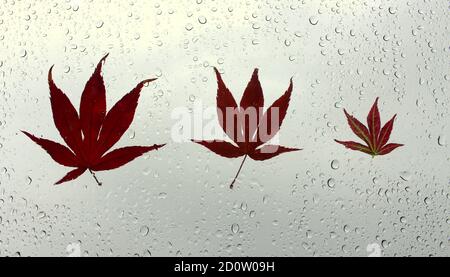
(248, 133)
(91, 134)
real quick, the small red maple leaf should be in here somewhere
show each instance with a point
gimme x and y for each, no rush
(247, 125)
(91, 134)
(376, 138)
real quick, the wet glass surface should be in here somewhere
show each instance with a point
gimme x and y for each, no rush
(321, 201)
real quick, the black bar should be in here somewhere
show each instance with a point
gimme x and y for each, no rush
(259, 266)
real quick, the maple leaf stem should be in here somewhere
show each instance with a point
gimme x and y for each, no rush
(95, 177)
(239, 171)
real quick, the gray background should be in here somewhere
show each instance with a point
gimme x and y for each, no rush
(176, 201)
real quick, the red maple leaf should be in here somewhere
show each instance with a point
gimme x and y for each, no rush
(248, 132)
(375, 137)
(91, 134)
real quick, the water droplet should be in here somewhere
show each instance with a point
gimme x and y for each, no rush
(392, 10)
(252, 214)
(147, 253)
(331, 183)
(202, 20)
(346, 228)
(313, 20)
(335, 164)
(405, 175)
(23, 53)
(235, 228)
(144, 230)
(41, 215)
